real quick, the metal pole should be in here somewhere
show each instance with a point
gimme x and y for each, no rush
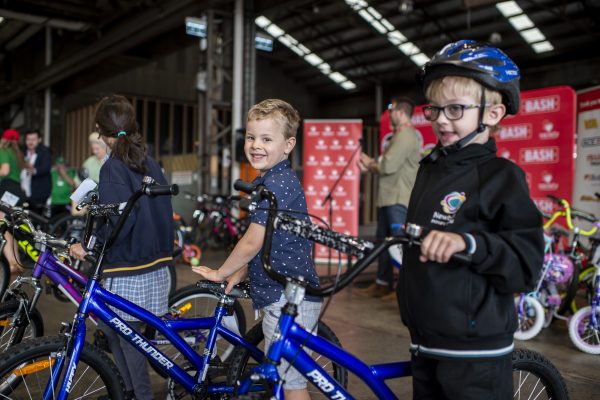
(238, 80)
(47, 92)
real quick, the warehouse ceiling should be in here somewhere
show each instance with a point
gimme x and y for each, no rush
(96, 38)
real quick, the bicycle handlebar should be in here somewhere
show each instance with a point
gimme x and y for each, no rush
(364, 250)
(568, 212)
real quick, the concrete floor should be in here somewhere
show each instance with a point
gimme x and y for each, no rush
(371, 329)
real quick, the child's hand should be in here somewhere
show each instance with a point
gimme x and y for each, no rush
(235, 278)
(440, 246)
(208, 273)
(77, 251)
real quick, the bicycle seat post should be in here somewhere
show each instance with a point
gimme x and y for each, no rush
(295, 290)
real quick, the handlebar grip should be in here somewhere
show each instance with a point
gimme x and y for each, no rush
(244, 186)
(162, 190)
(239, 290)
(462, 258)
(58, 243)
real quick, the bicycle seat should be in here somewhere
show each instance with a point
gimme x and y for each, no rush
(240, 291)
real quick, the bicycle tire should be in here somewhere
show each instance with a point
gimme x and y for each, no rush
(4, 275)
(584, 336)
(571, 291)
(241, 363)
(531, 322)
(32, 322)
(203, 305)
(62, 227)
(34, 353)
(535, 377)
(172, 273)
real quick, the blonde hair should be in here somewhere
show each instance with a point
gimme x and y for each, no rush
(279, 110)
(461, 86)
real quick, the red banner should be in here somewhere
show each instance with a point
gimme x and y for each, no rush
(422, 126)
(540, 139)
(331, 148)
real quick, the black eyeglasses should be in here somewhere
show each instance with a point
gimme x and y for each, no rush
(451, 111)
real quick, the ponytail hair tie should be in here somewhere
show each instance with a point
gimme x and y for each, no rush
(121, 133)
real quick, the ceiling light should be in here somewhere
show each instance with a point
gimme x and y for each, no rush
(293, 44)
(419, 59)
(533, 35)
(406, 6)
(521, 22)
(509, 8)
(542, 47)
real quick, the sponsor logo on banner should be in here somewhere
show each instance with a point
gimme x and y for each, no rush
(350, 145)
(326, 161)
(310, 190)
(515, 132)
(547, 183)
(325, 190)
(312, 161)
(340, 191)
(348, 206)
(339, 222)
(327, 131)
(335, 145)
(343, 131)
(313, 131)
(321, 145)
(539, 155)
(590, 123)
(540, 105)
(319, 175)
(334, 174)
(349, 175)
(318, 205)
(593, 159)
(549, 132)
(341, 161)
(591, 141)
(544, 204)
(592, 178)
(418, 119)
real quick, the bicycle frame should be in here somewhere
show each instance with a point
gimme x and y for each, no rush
(292, 338)
(96, 300)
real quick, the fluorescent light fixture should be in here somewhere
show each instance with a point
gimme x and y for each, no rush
(525, 26)
(195, 26)
(509, 8)
(263, 42)
(385, 27)
(521, 22)
(1, 19)
(419, 59)
(542, 47)
(302, 51)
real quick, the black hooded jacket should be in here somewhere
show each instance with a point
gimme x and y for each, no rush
(459, 310)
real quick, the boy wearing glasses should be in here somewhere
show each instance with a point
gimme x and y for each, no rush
(461, 317)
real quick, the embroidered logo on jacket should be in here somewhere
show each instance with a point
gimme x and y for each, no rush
(450, 205)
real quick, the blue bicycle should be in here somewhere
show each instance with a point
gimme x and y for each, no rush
(66, 366)
(534, 376)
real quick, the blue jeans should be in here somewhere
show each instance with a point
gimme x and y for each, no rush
(388, 215)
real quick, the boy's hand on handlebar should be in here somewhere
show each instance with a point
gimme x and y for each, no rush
(439, 246)
(208, 273)
(235, 278)
(77, 251)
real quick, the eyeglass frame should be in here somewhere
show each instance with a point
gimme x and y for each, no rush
(463, 107)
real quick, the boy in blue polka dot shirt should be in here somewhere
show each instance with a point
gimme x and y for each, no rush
(270, 137)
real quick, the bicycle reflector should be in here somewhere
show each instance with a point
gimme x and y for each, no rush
(33, 367)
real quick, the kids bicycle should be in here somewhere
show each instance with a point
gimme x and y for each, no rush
(63, 366)
(534, 376)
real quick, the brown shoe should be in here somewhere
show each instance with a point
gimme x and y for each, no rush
(374, 290)
(391, 296)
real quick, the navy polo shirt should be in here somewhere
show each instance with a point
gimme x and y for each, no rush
(290, 254)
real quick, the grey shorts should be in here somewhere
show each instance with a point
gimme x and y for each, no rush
(308, 315)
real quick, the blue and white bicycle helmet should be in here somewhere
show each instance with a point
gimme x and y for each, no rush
(482, 62)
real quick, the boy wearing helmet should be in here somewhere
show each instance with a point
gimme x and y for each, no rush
(461, 317)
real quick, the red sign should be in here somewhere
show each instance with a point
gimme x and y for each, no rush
(421, 125)
(540, 139)
(331, 148)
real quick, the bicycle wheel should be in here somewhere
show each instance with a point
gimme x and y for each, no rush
(172, 276)
(32, 324)
(585, 289)
(68, 226)
(535, 377)
(4, 276)
(531, 320)
(241, 362)
(201, 303)
(584, 335)
(25, 371)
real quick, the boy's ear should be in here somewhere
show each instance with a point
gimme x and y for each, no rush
(289, 145)
(494, 114)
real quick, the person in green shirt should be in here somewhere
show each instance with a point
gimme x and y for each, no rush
(11, 162)
(91, 166)
(64, 181)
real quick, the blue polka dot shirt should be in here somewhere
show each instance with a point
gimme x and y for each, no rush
(290, 254)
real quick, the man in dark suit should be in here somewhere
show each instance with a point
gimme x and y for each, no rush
(38, 162)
